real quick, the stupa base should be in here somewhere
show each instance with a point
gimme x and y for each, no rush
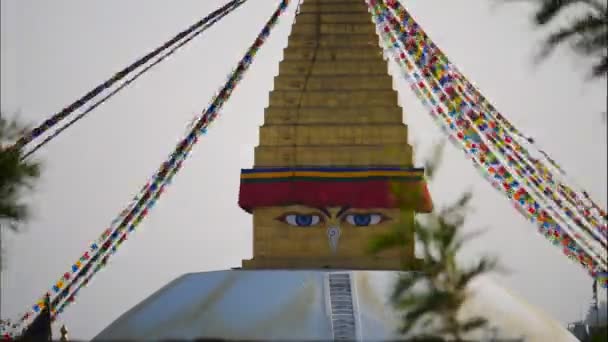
(307, 305)
(355, 263)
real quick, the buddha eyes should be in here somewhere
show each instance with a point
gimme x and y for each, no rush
(301, 220)
(363, 220)
(353, 219)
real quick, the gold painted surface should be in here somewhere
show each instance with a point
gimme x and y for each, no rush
(311, 29)
(331, 53)
(333, 104)
(333, 68)
(377, 155)
(335, 175)
(326, 135)
(333, 116)
(342, 82)
(333, 94)
(279, 244)
(334, 18)
(360, 41)
(333, 6)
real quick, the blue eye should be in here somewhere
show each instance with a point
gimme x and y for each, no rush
(363, 220)
(304, 220)
(301, 220)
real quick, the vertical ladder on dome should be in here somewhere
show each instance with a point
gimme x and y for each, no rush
(342, 309)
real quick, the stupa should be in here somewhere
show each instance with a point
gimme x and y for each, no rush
(332, 142)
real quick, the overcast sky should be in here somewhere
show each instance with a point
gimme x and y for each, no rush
(53, 52)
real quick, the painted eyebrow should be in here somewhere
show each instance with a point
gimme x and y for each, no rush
(344, 209)
(328, 214)
(325, 211)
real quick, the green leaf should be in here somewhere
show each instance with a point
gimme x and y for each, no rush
(580, 26)
(601, 68)
(16, 176)
(549, 9)
(433, 163)
(405, 284)
(484, 265)
(386, 241)
(459, 241)
(473, 324)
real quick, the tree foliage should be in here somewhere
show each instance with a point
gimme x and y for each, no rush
(431, 298)
(587, 32)
(16, 175)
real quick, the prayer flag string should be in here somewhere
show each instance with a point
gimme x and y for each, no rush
(578, 222)
(462, 132)
(434, 73)
(96, 257)
(438, 61)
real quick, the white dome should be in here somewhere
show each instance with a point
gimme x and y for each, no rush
(298, 304)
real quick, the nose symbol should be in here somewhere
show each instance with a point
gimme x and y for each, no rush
(333, 234)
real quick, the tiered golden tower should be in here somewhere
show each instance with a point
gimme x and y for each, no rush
(333, 139)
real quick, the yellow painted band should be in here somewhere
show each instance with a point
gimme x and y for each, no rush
(285, 174)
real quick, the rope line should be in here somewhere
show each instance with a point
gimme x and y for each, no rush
(132, 79)
(56, 118)
(136, 211)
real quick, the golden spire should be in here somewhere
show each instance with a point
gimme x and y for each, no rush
(333, 102)
(333, 136)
